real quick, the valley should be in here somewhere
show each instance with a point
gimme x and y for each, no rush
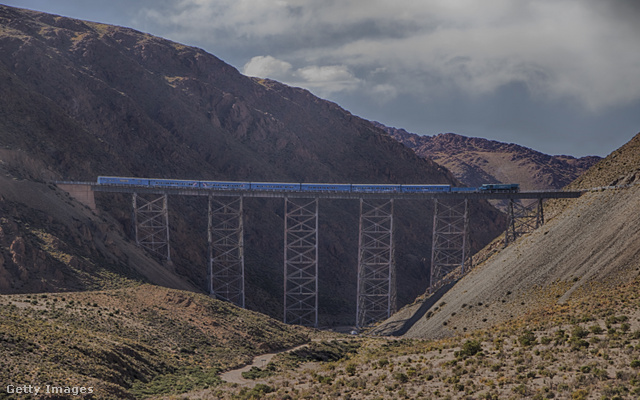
(555, 314)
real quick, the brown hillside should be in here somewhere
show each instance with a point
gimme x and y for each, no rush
(131, 343)
(475, 161)
(590, 247)
(82, 99)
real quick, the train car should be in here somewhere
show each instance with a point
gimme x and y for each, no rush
(117, 180)
(425, 188)
(500, 187)
(215, 185)
(464, 189)
(324, 187)
(274, 186)
(174, 183)
(376, 188)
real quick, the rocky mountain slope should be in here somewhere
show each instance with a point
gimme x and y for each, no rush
(475, 161)
(81, 99)
(590, 246)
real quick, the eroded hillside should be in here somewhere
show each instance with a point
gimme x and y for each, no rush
(591, 245)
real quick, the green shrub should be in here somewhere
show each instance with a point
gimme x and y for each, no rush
(528, 338)
(470, 348)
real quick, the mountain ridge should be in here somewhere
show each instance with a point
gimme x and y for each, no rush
(475, 161)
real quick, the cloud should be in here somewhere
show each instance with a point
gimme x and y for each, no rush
(322, 79)
(560, 50)
(268, 67)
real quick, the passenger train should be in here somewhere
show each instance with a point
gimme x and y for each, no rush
(304, 187)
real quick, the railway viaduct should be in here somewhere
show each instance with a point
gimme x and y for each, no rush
(450, 254)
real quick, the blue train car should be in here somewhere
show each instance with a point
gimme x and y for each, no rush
(215, 185)
(376, 188)
(325, 187)
(500, 187)
(464, 189)
(425, 188)
(276, 187)
(118, 180)
(174, 183)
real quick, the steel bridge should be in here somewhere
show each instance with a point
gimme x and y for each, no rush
(376, 292)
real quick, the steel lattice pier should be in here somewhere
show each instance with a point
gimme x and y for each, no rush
(522, 219)
(226, 249)
(151, 222)
(450, 252)
(376, 295)
(301, 261)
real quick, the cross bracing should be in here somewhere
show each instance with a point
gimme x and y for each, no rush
(376, 294)
(450, 242)
(226, 249)
(301, 262)
(522, 219)
(151, 223)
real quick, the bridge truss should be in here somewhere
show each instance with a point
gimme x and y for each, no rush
(151, 223)
(301, 261)
(450, 251)
(226, 249)
(522, 219)
(376, 293)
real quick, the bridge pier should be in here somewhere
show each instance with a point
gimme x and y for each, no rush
(301, 261)
(151, 222)
(226, 249)
(522, 219)
(376, 294)
(450, 243)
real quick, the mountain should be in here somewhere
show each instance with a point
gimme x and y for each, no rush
(587, 249)
(81, 99)
(475, 161)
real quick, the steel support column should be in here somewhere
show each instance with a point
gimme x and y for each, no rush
(376, 265)
(226, 249)
(151, 223)
(522, 219)
(450, 249)
(301, 261)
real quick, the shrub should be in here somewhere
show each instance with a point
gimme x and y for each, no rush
(528, 338)
(470, 348)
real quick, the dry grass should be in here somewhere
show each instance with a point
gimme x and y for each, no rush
(586, 348)
(131, 342)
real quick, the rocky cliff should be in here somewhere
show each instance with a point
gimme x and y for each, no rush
(81, 99)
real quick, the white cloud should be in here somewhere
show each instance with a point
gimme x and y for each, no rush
(268, 67)
(559, 49)
(324, 80)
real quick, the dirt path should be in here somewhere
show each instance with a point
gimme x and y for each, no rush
(235, 375)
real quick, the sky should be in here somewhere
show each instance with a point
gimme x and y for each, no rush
(558, 76)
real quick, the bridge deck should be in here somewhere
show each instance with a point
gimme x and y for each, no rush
(546, 194)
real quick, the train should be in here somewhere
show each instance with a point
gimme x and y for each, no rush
(305, 187)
